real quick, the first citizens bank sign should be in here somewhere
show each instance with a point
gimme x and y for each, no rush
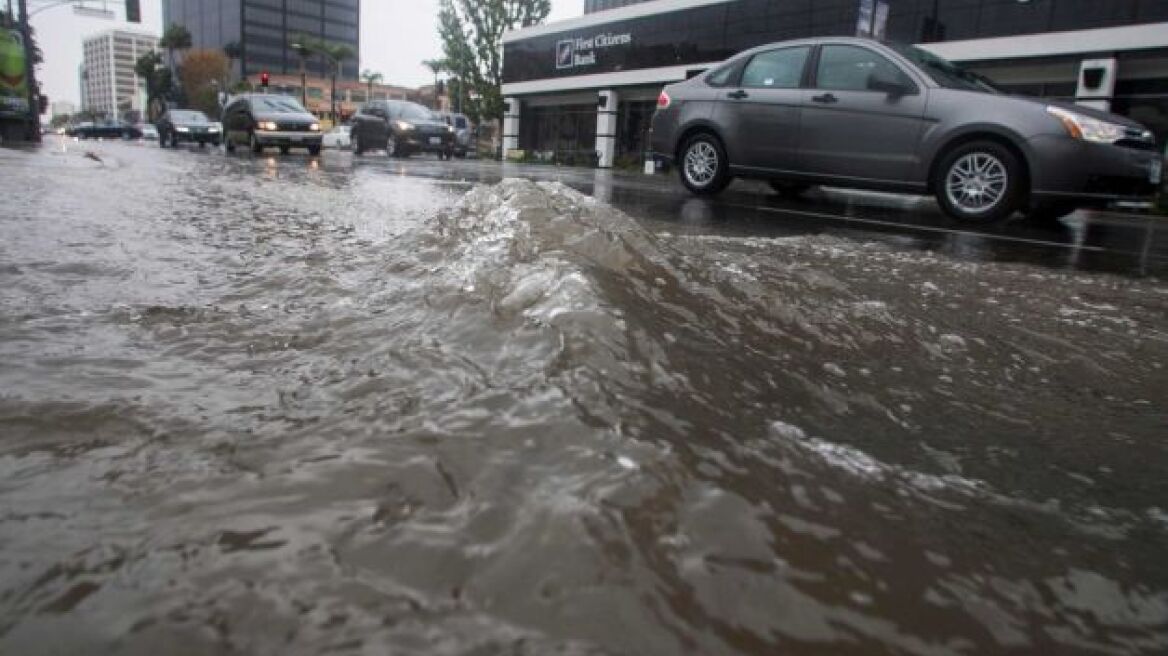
(571, 53)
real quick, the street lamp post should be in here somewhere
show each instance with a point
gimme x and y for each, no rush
(300, 49)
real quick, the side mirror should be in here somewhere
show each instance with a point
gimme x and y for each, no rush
(890, 86)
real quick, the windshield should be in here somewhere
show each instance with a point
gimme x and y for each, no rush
(412, 112)
(276, 105)
(945, 72)
(188, 117)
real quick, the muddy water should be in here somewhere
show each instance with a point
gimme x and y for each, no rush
(266, 407)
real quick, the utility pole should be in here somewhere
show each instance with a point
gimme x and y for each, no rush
(34, 101)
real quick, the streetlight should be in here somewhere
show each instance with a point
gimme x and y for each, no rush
(302, 50)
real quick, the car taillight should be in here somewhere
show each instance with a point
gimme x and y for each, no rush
(663, 100)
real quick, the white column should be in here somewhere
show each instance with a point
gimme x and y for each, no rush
(606, 113)
(1097, 83)
(511, 110)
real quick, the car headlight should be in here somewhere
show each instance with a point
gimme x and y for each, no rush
(1086, 128)
(450, 129)
(268, 125)
(182, 129)
(402, 125)
(212, 128)
(315, 127)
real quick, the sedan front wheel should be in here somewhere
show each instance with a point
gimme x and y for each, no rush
(979, 182)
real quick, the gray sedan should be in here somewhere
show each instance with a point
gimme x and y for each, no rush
(857, 113)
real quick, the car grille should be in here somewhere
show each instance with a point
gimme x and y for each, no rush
(293, 126)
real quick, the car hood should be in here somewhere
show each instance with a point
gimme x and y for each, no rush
(427, 125)
(287, 117)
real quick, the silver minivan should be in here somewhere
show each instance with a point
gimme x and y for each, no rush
(858, 113)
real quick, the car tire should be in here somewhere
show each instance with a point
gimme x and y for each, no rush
(1049, 211)
(229, 144)
(256, 147)
(789, 189)
(314, 150)
(284, 150)
(391, 148)
(202, 144)
(215, 143)
(704, 169)
(979, 182)
(355, 143)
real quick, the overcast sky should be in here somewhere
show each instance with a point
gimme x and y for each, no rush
(396, 35)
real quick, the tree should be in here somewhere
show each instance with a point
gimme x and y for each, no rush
(175, 38)
(335, 54)
(203, 72)
(472, 34)
(159, 82)
(303, 45)
(371, 77)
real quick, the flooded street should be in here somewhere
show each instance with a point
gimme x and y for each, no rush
(291, 406)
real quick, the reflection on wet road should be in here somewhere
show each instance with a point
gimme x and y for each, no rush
(281, 405)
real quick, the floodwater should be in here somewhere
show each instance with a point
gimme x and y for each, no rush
(257, 406)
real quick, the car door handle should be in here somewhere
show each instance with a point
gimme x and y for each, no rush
(738, 95)
(826, 99)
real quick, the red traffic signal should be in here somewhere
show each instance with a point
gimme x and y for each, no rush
(264, 79)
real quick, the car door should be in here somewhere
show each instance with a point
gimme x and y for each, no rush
(761, 114)
(863, 117)
(376, 127)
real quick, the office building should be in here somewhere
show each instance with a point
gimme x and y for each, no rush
(589, 84)
(110, 86)
(265, 30)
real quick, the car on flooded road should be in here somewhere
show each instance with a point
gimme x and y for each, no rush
(178, 126)
(401, 128)
(854, 112)
(262, 120)
(111, 130)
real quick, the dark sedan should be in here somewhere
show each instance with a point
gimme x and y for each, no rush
(104, 131)
(856, 113)
(261, 120)
(178, 126)
(401, 128)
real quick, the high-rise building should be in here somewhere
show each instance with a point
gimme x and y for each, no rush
(109, 84)
(265, 30)
(591, 6)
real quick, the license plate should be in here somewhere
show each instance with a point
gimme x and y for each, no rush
(435, 141)
(1155, 171)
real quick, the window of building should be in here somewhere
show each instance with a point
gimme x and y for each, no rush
(776, 69)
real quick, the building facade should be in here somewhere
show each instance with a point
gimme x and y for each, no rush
(589, 84)
(109, 84)
(265, 31)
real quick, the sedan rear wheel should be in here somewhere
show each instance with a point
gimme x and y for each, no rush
(979, 182)
(704, 167)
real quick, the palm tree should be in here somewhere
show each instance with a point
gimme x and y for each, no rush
(303, 45)
(371, 78)
(437, 67)
(176, 37)
(335, 54)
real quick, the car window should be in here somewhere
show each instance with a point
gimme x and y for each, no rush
(412, 112)
(460, 122)
(188, 117)
(848, 68)
(776, 69)
(722, 76)
(946, 73)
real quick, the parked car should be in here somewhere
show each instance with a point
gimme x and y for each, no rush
(857, 113)
(401, 128)
(149, 132)
(337, 137)
(261, 120)
(111, 130)
(464, 141)
(178, 126)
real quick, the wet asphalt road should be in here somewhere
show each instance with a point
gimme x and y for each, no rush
(284, 405)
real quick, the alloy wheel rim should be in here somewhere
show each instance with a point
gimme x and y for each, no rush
(977, 183)
(701, 163)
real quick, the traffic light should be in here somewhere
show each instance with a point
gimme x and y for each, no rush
(133, 11)
(264, 79)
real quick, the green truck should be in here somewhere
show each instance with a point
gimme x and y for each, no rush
(14, 119)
